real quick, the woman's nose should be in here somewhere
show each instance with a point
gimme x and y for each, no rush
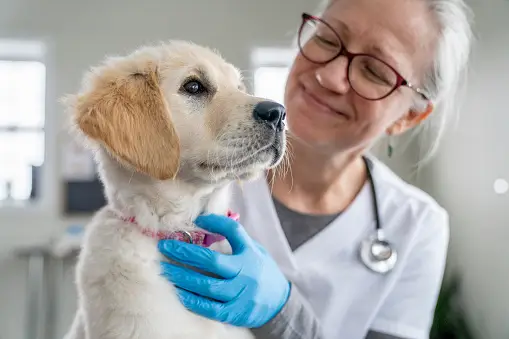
(334, 75)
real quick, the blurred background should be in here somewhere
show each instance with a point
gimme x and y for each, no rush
(48, 187)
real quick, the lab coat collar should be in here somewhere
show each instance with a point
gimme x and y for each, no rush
(347, 230)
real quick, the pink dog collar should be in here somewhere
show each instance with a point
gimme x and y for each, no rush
(201, 238)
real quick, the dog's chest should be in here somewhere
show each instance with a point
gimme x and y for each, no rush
(121, 267)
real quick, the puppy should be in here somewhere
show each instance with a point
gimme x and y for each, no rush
(171, 126)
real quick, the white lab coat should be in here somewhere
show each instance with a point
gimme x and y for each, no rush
(348, 298)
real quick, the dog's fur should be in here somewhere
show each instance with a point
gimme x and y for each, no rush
(164, 156)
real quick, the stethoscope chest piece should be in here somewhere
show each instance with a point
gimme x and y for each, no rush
(378, 254)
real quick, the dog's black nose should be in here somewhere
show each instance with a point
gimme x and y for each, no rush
(271, 113)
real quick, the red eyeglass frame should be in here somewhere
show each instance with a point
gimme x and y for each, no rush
(400, 80)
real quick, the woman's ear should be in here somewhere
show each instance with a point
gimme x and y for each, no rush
(410, 120)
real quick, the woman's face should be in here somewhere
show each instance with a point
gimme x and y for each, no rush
(322, 108)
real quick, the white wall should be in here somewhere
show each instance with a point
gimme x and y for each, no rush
(462, 176)
(79, 34)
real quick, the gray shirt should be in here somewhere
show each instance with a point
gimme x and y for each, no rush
(296, 320)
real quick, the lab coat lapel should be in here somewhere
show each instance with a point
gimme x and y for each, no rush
(261, 221)
(341, 237)
(330, 258)
(343, 234)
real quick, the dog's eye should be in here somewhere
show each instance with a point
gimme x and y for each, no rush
(194, 87)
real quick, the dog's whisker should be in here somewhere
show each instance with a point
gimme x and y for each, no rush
(287, 159)
(270, 179)
(283, 169)
(231, 143)
(229, 157)
(210, 160)
(235, 144)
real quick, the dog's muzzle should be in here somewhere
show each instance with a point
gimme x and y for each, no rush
(270, 113)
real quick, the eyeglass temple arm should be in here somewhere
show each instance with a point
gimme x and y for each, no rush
(416, 89)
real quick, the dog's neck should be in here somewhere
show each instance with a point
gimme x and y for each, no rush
(156, 205)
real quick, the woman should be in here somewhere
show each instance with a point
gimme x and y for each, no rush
(411, 56)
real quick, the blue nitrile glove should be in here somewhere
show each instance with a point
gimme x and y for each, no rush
(253, 289)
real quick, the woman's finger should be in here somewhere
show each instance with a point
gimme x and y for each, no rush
(207, 308)
(229, 228)
(200, 257)
(209, 287)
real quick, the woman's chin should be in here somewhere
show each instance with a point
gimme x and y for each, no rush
(310, 127)
(310, 136)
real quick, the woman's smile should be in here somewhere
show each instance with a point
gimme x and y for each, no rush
(316, 106)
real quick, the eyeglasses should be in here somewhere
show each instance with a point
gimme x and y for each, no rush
(370, 77)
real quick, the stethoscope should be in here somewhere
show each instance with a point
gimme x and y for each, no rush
(376, 253)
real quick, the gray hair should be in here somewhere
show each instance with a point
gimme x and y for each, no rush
(445, 80)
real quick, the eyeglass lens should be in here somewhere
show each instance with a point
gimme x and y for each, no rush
(369, 77)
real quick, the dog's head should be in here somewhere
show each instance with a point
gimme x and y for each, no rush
(179, 110)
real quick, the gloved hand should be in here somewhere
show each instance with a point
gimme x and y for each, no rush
(252, 289)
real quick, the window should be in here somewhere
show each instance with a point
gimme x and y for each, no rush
(270, 82)
(271, 67)
(22, 119)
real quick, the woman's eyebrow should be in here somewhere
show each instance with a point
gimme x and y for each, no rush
(338, 25)
(384, 53)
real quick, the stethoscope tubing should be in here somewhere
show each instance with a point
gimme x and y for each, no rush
(376, 253)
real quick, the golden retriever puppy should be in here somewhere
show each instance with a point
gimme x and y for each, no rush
(171, 126)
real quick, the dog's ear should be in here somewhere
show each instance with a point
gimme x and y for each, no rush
(130, 117)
